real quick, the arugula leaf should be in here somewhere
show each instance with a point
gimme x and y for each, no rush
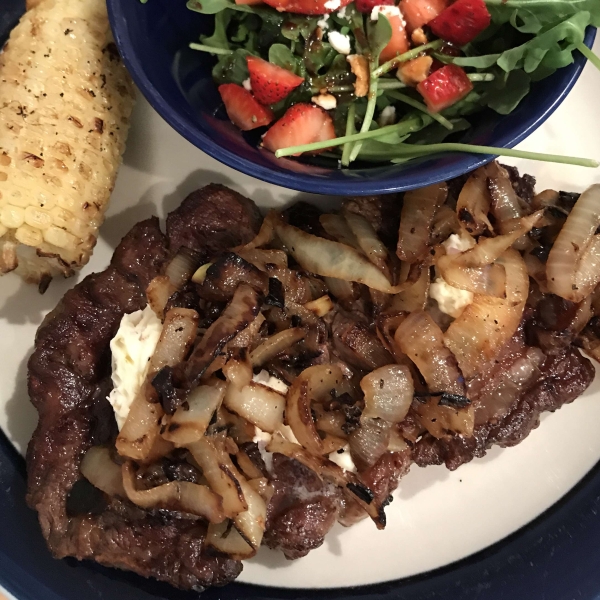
(232, 68)
(505, 94)
(282, 56)
(219, 38)
(379, 34)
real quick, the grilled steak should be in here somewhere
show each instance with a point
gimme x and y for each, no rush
(69, 376)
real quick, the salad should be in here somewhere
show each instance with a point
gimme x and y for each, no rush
(378, 81)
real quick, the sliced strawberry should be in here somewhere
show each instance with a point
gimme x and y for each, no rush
(366, 6)
(308, 7)
(444, 87)
(243, 109)
(398, 43)
(461, 22)
(419, 12)
(301, 124)
(270, 83)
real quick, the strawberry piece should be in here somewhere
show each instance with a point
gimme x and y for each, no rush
(270, 83)
(243, 109)
(398, 43)
(444, 87)
(301, 124)
(308, 7)
(419, 12)
(366, 6)
(461, 22)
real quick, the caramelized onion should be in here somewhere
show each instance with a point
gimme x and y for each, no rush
(415, 297)
(368, 242)
(473, 204)
(488, 280)
(387, 324)
(141, 427)
(573, 266)
(238, 314)
(505, 205)
(487, 324)
(275, 345)
(369, 442)
(321, 306)
(99, 469)
(221, 474)
(339, 229)
(388, 393)
(421, 339)
(182, 267)
(313, 384)
(258, 404)
(192, 418)
(181, 496)
(265, 234)
(332, 259)
(261, 258)
(439, 419)
(225, 538)
(416, 218)
(238, 370)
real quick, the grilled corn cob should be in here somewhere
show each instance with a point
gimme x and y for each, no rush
(65, 103)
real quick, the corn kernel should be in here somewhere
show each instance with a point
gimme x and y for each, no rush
(12, 216)
(28, 236)
(60, 238)
(36, 217)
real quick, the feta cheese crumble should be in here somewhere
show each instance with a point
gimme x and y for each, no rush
(452, 301)
(322, 23)
(132, 347)
(342, 13)
(388, 11)
(325, 101)
(332, 4)
(247, 84)
(387, 116)
(343, 459)
(457, 244)
(339, 42)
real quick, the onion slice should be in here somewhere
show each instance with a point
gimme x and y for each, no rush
(388, 393)
(487, 324)
(416, 218)
(275, 345)
(258, 404)
(573, 266)
(99, 469)
(192, 418)
(141, 427)
(314, 383)
(473, 204)
(332, 259)
(368, 242)
(221, 474)
(180, 496)
(225, 538)
(421, 339)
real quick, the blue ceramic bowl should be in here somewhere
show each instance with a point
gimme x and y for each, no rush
(153, 40)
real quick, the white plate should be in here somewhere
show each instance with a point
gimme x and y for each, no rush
(437, 516)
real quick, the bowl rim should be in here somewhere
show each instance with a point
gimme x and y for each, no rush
(304, 182)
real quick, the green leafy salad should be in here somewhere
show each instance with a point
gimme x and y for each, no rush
(373, 80)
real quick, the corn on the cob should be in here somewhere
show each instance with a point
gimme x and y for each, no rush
(65, 103)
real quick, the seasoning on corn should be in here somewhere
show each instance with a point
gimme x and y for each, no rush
(65, 103)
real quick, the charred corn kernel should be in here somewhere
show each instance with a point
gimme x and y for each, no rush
(12, 217)
(66, 101)
(28, 236)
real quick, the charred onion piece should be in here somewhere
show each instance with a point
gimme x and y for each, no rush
(421, 339)
(181, 496)
(239, 313)
(192, 418)
(258, 404)
(416, 218)
(275, 345)
(388, 393)
(369, 442)
(313, 384)
(99, 469)
(226, 273)
(573, 266)
(141, 428)
(224, 537)
(473, 204)
(332, 259)
(488, 323)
